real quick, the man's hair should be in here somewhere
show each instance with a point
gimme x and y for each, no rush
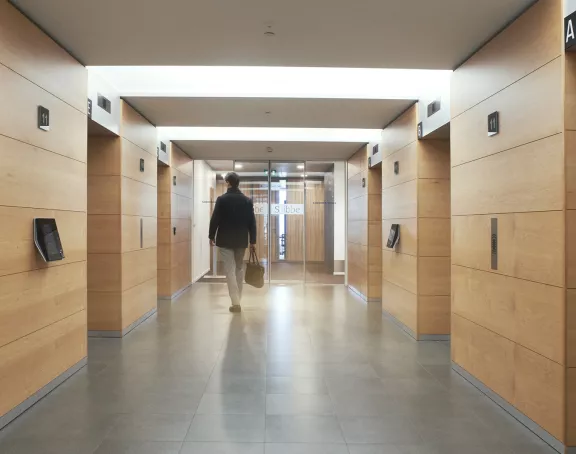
(233, 179)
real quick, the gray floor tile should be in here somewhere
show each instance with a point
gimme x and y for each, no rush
(298, 404)
(235, 384)
(305, 448)
(290, 385)
(138, 447)
(48, 446)
(455, 430)
(295, 369)
(367, 405)
(389, 430)
(303, 429)
(232, 404)
(227, 428)
(150, 427)
(428, 449)
(222, 448)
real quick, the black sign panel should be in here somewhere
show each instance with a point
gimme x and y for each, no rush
(420, 130)
(493, 123)
(396, 167)
(494, 243)
(393, 236)
(43, 118)
(174, 180)
(363, 182)
(141, 165)
(570, 32)
(89, 108)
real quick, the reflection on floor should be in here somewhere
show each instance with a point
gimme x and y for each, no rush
(292, 271)
(283, 377)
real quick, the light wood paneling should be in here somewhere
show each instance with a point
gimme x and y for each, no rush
(570, 327)
(104, 311)
(434, 159)
(533, 40)
(180, 161)
(484, 354)
(104, 272)
(183, 184)
(434, 276)
(401, 132)
(374, 181)
(138, 267)
(104, 155)
(131, 155)
(19, 101)
(375, 208)
(525, 312)
(131, 233)
(357, 267)
(35, 360)
(181, 207)
(433, 198)
(358, 209)
(104, 234)
(407, 159)
(375, 234)
(28, 51)
(433, 315)
(571, 406)
(27, 172)
(355, 189)
(539, 390)
(400, 270)
(135, 128)
(408, 243)
(19, 253)
(358, 232)
(528, 190)
(433, 237)
(569, 100)
(400, 303)
(374, 286)
(524, 119)
(33, 300)
(138, 301)
(358, 162)
(164, 283)
(400, 201)
(570, 153)
(138, 199)
(104, 195)
(530, 245)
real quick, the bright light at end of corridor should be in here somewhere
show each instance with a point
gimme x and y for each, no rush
(271, 134)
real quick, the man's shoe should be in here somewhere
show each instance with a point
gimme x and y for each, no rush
(235, 308)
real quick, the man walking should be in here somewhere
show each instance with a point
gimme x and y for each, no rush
(232, 222)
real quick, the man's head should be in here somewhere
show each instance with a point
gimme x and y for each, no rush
(233, 180)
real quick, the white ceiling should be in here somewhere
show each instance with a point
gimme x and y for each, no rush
(283, 113)
(293, 151)
(425, 34)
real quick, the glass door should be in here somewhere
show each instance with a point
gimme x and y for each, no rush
(287, 222)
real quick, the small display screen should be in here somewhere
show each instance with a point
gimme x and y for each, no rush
(393, 236)
(47, 239)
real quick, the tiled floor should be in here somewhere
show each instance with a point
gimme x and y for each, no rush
(303, 370)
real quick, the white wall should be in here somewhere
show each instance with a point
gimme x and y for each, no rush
(204, 179)
(340, 211)
(440, 118)
(97, 85)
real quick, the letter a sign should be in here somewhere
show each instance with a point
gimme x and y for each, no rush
(569, 32)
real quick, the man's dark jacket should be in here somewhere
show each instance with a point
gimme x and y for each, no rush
(233, 221)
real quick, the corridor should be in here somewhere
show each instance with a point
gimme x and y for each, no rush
(303, 370)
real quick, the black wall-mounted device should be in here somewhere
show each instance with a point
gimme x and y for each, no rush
(47, 239)
(393, 236)
(104, 103)
(141, 164)
(396, 167)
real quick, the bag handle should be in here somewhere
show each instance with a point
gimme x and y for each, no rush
(254, 257)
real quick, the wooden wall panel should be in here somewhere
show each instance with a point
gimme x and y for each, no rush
(19, 103)
(527, 313)
(181, 207)
(104, 234)
(570, 158)
(358, 232)
(29, 52)
(355, 188)
(19, 253)
(181, 162)
(358, 209)
(37, 359)
(433, 159)
(401, 304)
(131, 233)
(529, 190)
(433, 198)
(358, 162)
(433, 315)
(434, 276)
(30, 301)
(571, 406)
(138, 300)
(530, 42)
(407, 159)
(183, 184)
(138, 199)
(104, 311)
(531, 245)
(524, 118)
(401, 132)
(138, 267)
(27, 172)
(433, 237)
(131, 155)
(104, 272)
(400, 270)
(399, 202)
(104, 195)
(135, 128)
(104, 155)
(570, 327)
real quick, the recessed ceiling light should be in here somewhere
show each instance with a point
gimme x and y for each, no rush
(239, 166)
(301, 166)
